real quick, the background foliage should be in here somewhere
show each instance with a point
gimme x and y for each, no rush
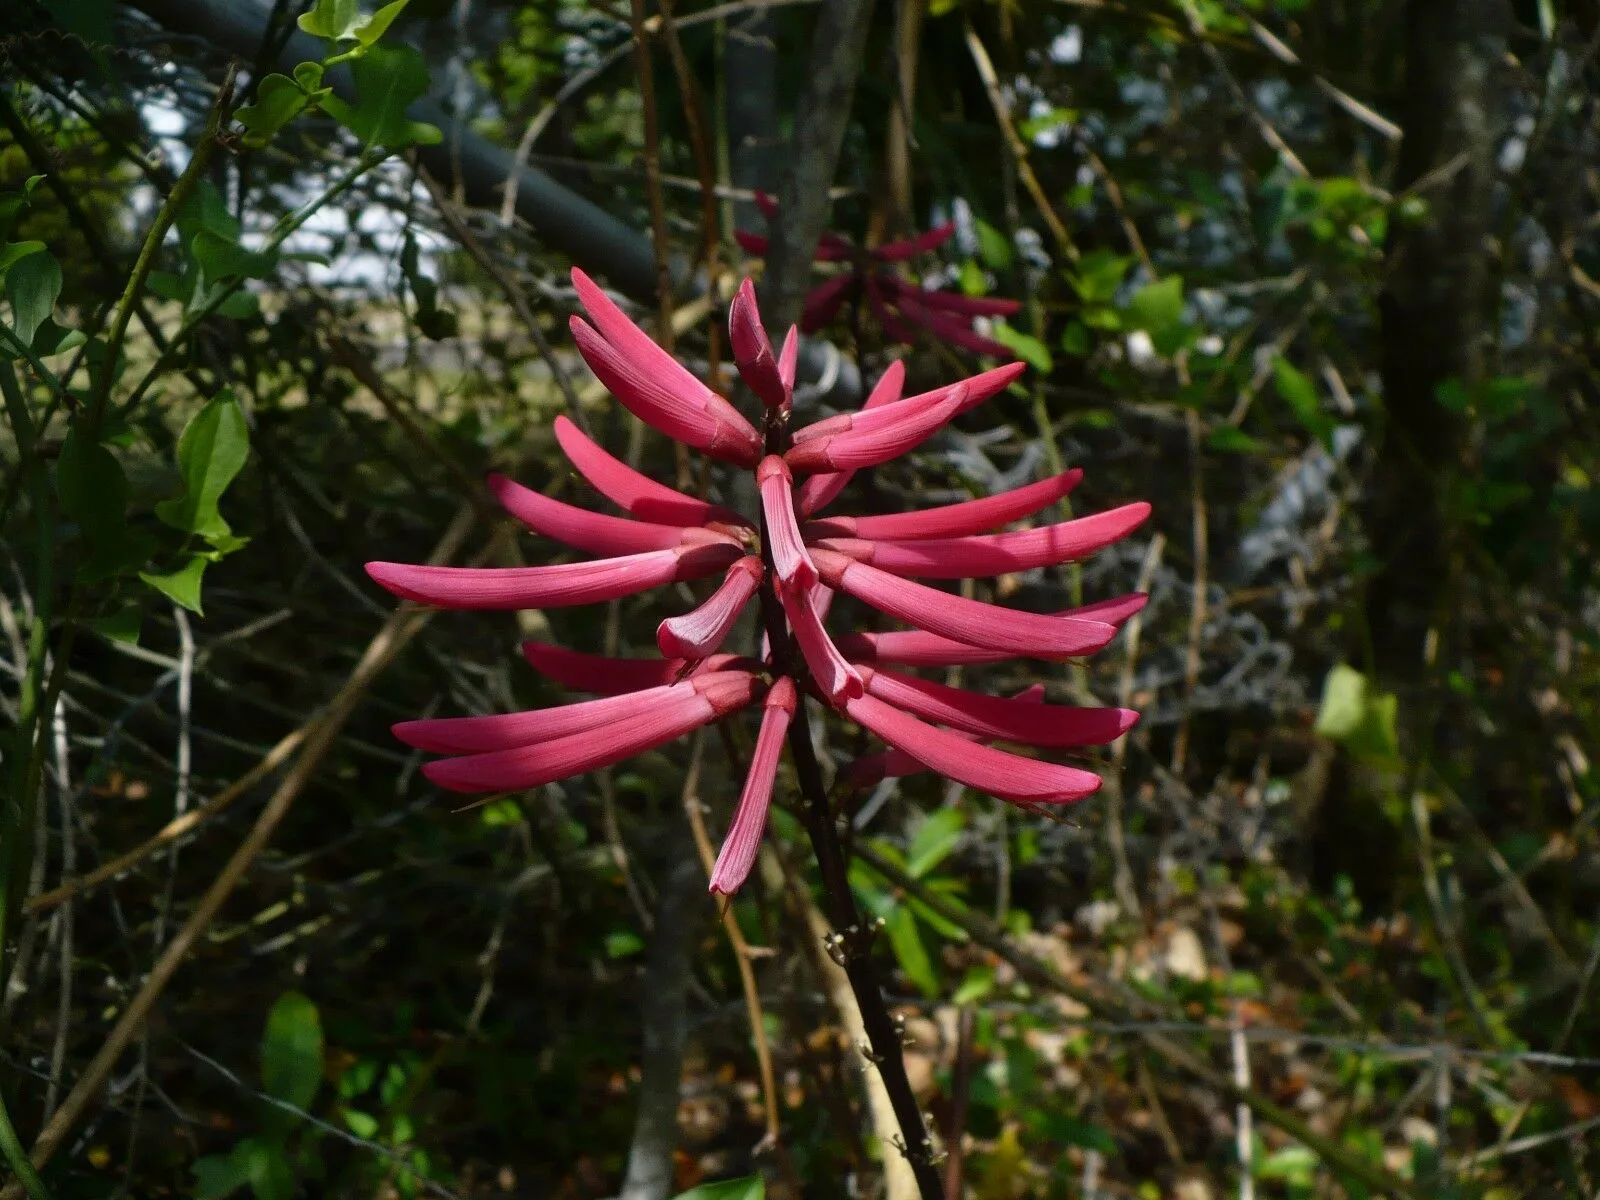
(1316, 277)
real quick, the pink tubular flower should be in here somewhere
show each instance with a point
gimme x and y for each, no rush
(901, 307)
(796, 561)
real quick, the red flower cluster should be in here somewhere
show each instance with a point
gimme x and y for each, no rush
(898, 303)
(801, 560)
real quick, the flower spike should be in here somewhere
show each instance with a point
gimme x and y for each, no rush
(667, 537)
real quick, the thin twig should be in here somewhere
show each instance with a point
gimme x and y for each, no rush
(1197, 611)
(1018, 148)
(986, 934)
(693, 806)
(514, 295)
(401, 626)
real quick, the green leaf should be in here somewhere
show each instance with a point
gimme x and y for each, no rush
(1025, 346)
(94, 494)
(378, 23)
(217, 1175)
(207, 208)
(52, 339)
(1062, 1130)
(1097, 276)
(1354, 714)
(120, 626)
(334, 19)
(388, 80)
(212, 450)
(279, 100)
(291, 1051)
(1344, 702)
(1157, 308)
(1298, 392)
(752, 1188)
(12, 204)
(32, 286)
(14, 252)
(271, 1177)
(1075, 339)
(90, 21)
(979, 982)
(623, 943)
(1227, 438)
(933, 841)
(363, 1125)
(909, 951)
(222, 258)
(993, 246)
(181, 586)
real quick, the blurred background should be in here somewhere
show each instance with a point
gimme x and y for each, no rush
(1316, 278)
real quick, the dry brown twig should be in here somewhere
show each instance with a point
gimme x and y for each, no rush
(693, 806)
(1019, 149)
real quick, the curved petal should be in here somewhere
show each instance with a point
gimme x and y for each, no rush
(635, 345)
(549, 587)
(823, 302)
(632, 491)
(752, 349)
(789, 558)
(708, 698)
(751, 243)
(836, 678)
(594, 532)
(879, 442)
(697, 634)
(819, 491)
(996, 553)
(919, 648)
(909, 248)
(506, 731)
(651, 395)
(997, 718)
(600, 673)
(1008, 776)
(789, 361)
(738, 852)
(951, 520)
(970, 621)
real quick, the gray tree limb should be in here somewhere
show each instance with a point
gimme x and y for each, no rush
(822, 113)
(560, 217)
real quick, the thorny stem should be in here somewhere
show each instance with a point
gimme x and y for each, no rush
(851, 946)
(853, 951)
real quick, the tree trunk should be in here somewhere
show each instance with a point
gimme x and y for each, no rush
(1435, 310)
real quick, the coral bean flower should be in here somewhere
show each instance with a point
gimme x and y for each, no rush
(898, 303)
(794, 560)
